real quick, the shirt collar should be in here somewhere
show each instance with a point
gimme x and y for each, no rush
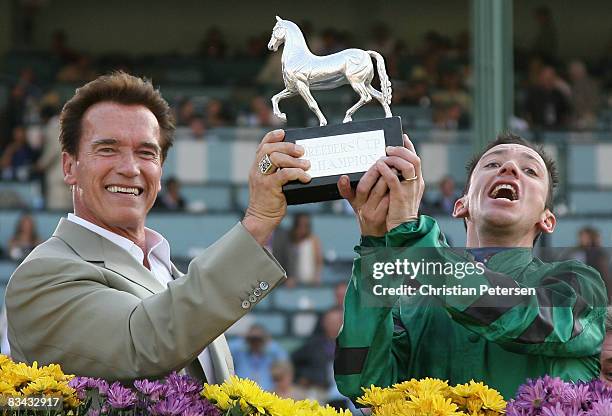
(155, 244)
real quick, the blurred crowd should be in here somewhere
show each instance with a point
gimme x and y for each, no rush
(437, 75)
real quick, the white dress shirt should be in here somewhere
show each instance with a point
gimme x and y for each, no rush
(158, 255)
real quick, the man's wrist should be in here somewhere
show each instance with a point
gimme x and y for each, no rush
(260, 230)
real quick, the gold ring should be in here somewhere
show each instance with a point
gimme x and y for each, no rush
(266, 167)
(414, 178)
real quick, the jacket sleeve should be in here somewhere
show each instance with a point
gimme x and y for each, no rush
(368, 350)
(63, 311)
(564, 318)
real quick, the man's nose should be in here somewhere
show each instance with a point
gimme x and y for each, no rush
(128, 166)
(509, 168)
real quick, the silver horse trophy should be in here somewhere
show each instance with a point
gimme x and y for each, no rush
(303, 71)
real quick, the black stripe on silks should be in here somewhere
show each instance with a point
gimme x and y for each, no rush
(349, 360)
(542, 324)
(487, 309)
(580, 306)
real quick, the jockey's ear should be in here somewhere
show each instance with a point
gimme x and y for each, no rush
(278, 19)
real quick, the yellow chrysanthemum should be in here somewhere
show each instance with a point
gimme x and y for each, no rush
(5, 360)
(397, 408)
(251, 397)
(474, 404)
(375, 396)
(7, 388)
(407, 387)
(216, 395)
(492, 400)
(433, 405)
(432, 386)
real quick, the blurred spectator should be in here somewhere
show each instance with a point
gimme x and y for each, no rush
(79, 70)
(217, 114)
(546, 105)
(589, 250)
(382, 41)
(18, 157)
(339, 292)
(313, 361)
(585, 96)
(272, 72)
(445, 202)
(197, 128)
(306, 259)
(546, 41)
(57, 194)
(282, 376)
(24, 239)
(60, 48)
(170, 198)
(254, 355)
(451, 103)
(415, 92)
(213, 46)
(261, 114)
(185, 112)
(330, 41)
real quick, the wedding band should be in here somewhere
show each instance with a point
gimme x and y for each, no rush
(414, 178)
(266, 167)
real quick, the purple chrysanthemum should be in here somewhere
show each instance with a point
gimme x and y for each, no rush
(154, 390)
(601, 408)
(201, 408)
(171, 406)
(120, 397)
(79, 383)
(182, 384)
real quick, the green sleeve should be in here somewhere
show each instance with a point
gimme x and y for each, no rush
(368, 350)
(565, 317)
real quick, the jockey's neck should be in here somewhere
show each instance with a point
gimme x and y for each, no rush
(295, 45)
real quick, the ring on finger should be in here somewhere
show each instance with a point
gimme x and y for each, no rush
(414, 178)
(266, 167)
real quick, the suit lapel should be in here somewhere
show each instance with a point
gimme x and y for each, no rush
(92, 247)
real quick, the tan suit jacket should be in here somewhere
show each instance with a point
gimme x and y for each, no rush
(83, 302)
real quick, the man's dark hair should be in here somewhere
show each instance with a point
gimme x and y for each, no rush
(510, 138)
(121, 88)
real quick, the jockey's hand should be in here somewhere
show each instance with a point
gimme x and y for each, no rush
(405, 195)
(370, 201)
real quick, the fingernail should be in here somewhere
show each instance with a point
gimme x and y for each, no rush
(389, 148)
(299, 148)
(277, 132)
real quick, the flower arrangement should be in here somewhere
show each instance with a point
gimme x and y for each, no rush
(547, 396)
(20, 380)
(175, 395)
(433, 397)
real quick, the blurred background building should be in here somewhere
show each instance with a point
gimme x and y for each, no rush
(211, 63)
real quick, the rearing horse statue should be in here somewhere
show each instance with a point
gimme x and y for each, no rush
(303, 71)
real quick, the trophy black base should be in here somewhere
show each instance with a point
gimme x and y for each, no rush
(341, 149)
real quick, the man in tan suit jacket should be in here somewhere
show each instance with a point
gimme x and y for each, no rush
(100, 297)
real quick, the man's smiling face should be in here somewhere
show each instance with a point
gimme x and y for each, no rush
(509, 188)
(117, 170)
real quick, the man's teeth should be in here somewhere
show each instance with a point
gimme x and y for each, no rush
(504, 186)
(123, 190)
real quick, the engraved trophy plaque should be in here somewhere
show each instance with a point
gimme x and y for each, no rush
(350, 148)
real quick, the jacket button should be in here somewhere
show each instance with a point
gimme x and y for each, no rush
(257, 291)
(246, 304)
(252, 298)
(264, 285)
(473, 338)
